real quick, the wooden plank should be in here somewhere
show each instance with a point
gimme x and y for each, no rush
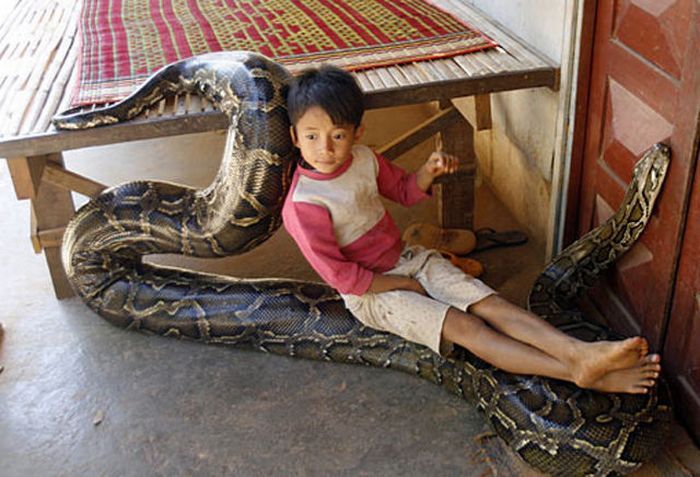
(21, 177)
(61, 286)
(53, 208)
(482, 105)
(34, 232)
(455, 192)
(51, 237)
(45, 143)
(425, 92)
(45, 238)
(57, 175)
(419, 133)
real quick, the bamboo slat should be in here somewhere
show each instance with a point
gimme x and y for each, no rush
(72, 80)
(34, 42)
(57, 91)
(399, 76)
(375, 79)
(364, 81)
(55, 75)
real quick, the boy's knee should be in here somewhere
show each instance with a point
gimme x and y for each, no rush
(460, 326)
(490, 301)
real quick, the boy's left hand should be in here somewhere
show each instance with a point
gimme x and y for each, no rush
(440, 163)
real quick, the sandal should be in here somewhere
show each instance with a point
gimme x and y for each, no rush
(467, 265)
(457, 241)
(487, 238)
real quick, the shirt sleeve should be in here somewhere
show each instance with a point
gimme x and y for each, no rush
(311, 228)
(396, 184)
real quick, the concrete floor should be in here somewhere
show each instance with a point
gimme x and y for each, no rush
(81, 397)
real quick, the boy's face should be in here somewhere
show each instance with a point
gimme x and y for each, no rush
(324, 145)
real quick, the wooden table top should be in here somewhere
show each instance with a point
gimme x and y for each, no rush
(39, 48)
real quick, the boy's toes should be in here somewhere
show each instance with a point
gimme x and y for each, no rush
(638, 342)
(637, 345)
(633, 343)
(652, 367)
(643, 349)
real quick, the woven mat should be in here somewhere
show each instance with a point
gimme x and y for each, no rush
(124, 41)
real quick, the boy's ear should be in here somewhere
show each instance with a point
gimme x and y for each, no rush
(293, 133)
(359, 131)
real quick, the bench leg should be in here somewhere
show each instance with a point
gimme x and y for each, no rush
(52, 208)
(455, 192)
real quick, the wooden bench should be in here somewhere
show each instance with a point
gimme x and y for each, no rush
(38, 52)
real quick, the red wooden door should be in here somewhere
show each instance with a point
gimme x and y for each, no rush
(682, 348)
(644, 88)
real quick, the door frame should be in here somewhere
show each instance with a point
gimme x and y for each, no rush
(570, 208)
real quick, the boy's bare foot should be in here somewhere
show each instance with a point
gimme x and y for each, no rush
(634, 380)
(592, 361)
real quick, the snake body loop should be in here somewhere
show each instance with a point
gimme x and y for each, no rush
(555, 426)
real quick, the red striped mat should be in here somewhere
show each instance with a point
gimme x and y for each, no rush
(124, 41)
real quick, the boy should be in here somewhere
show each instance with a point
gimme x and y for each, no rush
(334, 214)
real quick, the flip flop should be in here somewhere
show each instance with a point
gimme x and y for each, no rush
(457, 241)
(467, 265)
(487, 238)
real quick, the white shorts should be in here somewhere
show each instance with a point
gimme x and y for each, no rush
(413, 316)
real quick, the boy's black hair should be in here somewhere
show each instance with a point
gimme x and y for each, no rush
(330, 88)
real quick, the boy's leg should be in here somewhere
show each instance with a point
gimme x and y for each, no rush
(514, 356)
(588, 362)
(500, 350)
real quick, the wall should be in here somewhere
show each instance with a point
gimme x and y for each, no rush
(521, 156)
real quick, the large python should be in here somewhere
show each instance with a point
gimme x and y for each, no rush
(553, 425)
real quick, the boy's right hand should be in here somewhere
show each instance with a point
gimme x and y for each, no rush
(415, 286)
(383, 283)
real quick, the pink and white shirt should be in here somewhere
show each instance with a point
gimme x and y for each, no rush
(339, 222)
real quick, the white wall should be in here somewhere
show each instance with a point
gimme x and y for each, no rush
(539, 22)
(521, 156)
